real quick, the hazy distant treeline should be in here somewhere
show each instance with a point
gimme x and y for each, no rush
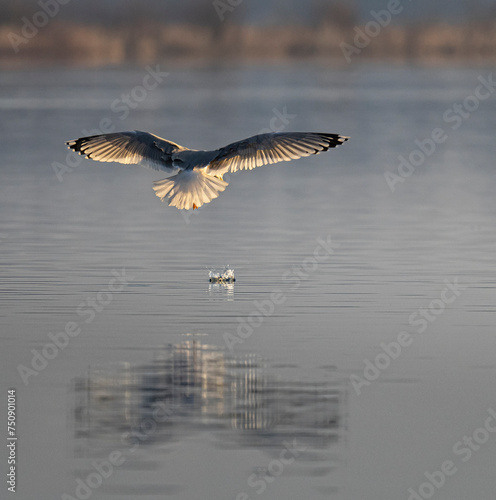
(118, 31)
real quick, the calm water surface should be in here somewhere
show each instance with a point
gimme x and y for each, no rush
(277, 386)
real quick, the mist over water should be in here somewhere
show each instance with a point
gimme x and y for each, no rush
(355, 349)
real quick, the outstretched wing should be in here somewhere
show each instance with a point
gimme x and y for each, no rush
(135, 147)
(272, 148)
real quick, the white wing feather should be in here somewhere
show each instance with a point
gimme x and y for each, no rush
(272, 148)
(135, 147)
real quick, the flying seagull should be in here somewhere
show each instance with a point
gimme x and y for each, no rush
(198, 174)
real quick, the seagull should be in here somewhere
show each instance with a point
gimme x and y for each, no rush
(198, 175)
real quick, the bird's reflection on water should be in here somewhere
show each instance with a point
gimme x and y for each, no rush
(188, 388)
(221, 291)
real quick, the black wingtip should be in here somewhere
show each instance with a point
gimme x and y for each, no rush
(333, 140)
(76, 146)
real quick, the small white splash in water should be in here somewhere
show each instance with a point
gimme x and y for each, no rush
(225, 276)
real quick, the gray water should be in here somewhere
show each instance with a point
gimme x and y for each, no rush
(279, 385)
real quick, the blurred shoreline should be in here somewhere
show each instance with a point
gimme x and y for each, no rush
(75, 44)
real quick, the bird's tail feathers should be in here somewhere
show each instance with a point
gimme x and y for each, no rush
(189, 189)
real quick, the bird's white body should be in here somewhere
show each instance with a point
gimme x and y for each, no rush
(198, 174)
